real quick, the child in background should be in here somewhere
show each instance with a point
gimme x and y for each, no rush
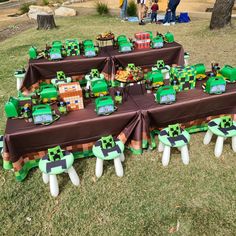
(154, 9)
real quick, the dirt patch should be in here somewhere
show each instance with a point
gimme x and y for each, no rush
(14, 29)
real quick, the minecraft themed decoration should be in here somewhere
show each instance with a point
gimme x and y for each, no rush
(107, 142)
(118, 97)
(105, 36)
(174, 130)
(33, 54)
(89, 48)
(99, 87)
(142, 40)
(215, 85)
(61, 79)
(229, 73)
(223, 127)
(48, 93)
(56, 162)
(173, 136)
(26, 111)
(42, 114)
(62, 107)
(169, 37)
(104, 105)
(166, 95)
(183, 78)
(55, 54)
(12, 107)
(72, 47)
(157, 42)
(155, 78)
(92, 76)
(124, 44)
(57, 44)
(200, 71)
(72, 95)
(215, 68)
(113, 151)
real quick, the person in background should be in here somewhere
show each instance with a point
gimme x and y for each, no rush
(141, 9)
(154, 9)
(170, 16)
(123, 9)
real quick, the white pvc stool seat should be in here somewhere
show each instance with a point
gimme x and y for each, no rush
(115, 153)
(180, 142)
(51, 168)
(222, 134)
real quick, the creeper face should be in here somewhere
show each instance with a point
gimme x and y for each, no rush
(61, 75)
(131, 66)
(94, 73)
(55, 153)
(107, 142)
(226, 122)
(174, 130)
(160, 64)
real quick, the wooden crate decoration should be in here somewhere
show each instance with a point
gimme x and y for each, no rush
(72, 95)
(183, 78)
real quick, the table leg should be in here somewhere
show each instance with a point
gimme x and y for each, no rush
(122, 157)
(54, 188)
(118, 167)
(185, 154)
(207, 138)
(99, 167)
(160, 147)
(219, 146)
(45, 178)
(73, 176)
(234, 143)
(166, 156)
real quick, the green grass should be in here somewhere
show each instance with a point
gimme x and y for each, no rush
(149, 199)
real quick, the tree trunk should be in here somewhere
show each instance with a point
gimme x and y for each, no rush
(221, 15)
(46, 22)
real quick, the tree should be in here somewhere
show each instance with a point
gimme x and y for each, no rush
(221, 15)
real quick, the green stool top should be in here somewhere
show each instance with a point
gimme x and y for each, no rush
(177, 141)
(214, 127)
(58, 166)
(108, 153)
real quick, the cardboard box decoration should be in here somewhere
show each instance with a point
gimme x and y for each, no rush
(72, 95)
(142, 40)
(183, 78)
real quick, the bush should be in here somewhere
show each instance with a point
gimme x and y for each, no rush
(45, 2)
(132, 8)
(24, 8)
(102, 8)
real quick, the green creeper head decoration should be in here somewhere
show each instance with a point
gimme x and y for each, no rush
(107, 142)
(160, 64)
(131, 66)
(55, 153)
(174, 130)
(61, 75)
(94, 73)
(226, 122)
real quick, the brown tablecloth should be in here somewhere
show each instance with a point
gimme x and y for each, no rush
(106, 62)
(132, 122)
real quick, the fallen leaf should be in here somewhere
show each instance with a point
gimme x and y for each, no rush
(174, 229)
(28, 219)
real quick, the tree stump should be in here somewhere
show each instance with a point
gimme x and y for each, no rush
(46, 22)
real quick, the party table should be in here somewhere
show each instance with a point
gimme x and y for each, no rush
(107, 61)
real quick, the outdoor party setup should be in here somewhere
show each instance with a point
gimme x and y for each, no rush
(87, 98)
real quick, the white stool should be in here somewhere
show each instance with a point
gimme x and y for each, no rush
(112, 153)
(166, 143)
(222, 134)
(51, 168)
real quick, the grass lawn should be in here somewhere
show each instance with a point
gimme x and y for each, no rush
(149, 200)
